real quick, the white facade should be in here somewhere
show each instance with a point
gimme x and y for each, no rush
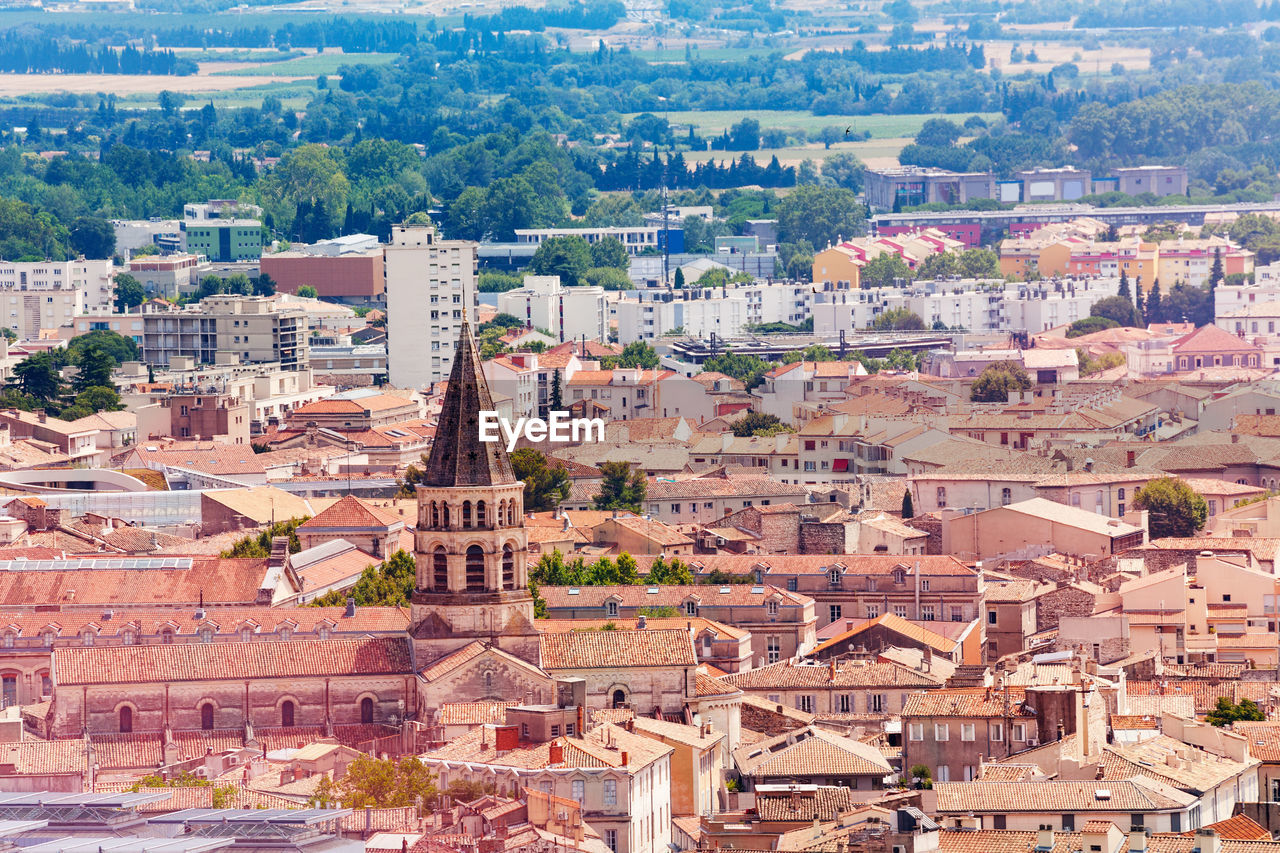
(568, 313)
(647, 315)
(429, 281)
(53, 280)
(974, 305)
(1232, 298)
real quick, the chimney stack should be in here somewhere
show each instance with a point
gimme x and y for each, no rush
(1044, 838)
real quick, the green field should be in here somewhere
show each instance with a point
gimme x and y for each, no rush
(309, 66)
(881, 126)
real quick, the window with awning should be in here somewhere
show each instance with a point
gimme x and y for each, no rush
(841, 465)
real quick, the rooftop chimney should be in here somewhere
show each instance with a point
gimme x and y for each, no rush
(640, 622)
(351, 608)
(556, 755)
(1044, 838)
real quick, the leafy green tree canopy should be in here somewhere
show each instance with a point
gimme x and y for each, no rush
(1173, 508)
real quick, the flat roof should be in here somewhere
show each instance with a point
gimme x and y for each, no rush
(132, 844)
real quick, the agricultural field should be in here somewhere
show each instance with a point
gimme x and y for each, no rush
(713, 122)
(305, 66)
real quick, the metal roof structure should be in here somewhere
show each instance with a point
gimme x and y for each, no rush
(117, 800)
(280, 817)
(134, 844)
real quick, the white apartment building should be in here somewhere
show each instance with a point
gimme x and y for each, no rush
(429, 282)
(645, 315)
(47, 294)
(1232, 298)
(784, 302)
(634, 238)
(976, 305)
(568, 313)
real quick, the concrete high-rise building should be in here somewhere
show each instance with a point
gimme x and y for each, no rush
(228, 330)
(48, 294)
(429, 281)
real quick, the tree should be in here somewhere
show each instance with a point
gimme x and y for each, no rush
(610, 278)
(1124, 284)
(1089, 325)
(1173, 508)
(387, 783)
(995, 383)
(259, 547)
(568, 257)
(674, 573)
(1215, 272)
(388, 584)
(94, 369)
(307, 291)
(1141, 306)
(897, 320)
(1155, 310)
(117, 346)
(1119, 309)
(939, 132)
(93, 237)
(1224, 713)
(39, 377)
(638, 354)
(757, 423)
(749, 369)
(979, 263)
(908, 506)
(845, 169)
(621, 487)
(557, 392)
(413, 477)
(545, 484)
(679, 279)
(610, 252)
(820, 215)
(263, 285)
(884, 270)
(128, 292)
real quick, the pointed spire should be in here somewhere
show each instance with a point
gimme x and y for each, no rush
(458, 456)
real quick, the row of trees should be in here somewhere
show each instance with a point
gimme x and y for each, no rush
(38, 382)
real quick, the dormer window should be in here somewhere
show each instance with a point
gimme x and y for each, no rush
(9, 639)
(322, 632)
(771, 608)
(611, 608)
(86, 638)
(128, 638)
(691, 608)
(833, 577)
(166, 636)
(48, 638)
(246, 634)
(206, 634)
(285, 632)
(899, 576)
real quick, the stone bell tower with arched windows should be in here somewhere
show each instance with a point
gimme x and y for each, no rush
(470, 548)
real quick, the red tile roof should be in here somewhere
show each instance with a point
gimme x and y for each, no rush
(351, 512)
(967, 702)
(805, 564)
(217, 661)
(220, 581)
(45, 758)
(660, 647)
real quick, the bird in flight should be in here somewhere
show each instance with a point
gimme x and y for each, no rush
(847, 129)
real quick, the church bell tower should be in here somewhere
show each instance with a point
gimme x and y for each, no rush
(470, 548)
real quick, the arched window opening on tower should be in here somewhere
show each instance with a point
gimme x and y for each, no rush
(482, 514)
(508, 568)
(366, 710)
(475, 569)
(435, 514)
(439, 570)
(466, 515)
(286, 712)
(206, 716)
(126, 720)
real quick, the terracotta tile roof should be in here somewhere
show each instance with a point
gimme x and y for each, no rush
(1014, 841)
(1134, 722)
(382, 820)
(1264, 739)
(220, 581)
(810, 752)
(899, 626)
(217, 661)
(788, 674)
(1008, 772)
(473, 713)
(721, 487)
(1205, 693)
(654, 531)
(705, 685)
(262, 621)
(1239, 828)
(1212, 339)
(453, 660)
(824, 803)
(45, 757)
(661, 647)
(1150, 756)
(697, 623)
(359, 405)
(193, 744)
(352, 513)
(966, 702)
(1138, 795)
(668, 595)
(128, 751)
(809, 564)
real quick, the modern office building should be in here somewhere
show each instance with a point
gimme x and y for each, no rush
(568, 313)
(223, 240)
